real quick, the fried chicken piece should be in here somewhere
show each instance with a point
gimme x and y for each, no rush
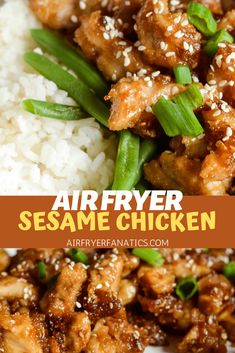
(222, 72)
(130, 262)
(148, 328)
(101, 40)
(4, 260)
(175, 172)
(24, 264)
(12, 288)
(169, 311)
(168, 39)
(132, 96)
(228, 21)
(78, 333)
(208, 169)
(115, 335)
(155, 281)
(127, 292)
(203, 337)
(215, 296)
(103, 285)
(61, 299)
(19, 333)
(219, 164)
(56, 14)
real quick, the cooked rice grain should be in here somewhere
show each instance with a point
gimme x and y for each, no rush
(40, 155)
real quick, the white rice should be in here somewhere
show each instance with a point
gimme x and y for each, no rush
(40, 155)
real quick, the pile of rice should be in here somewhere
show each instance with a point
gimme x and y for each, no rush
(40, 155)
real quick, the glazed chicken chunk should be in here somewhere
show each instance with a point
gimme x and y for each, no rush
(131, 97)
(56, 14)
(101, 39)
(167, 39)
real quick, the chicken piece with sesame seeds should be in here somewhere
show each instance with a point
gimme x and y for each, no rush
(4, 260)
(78, 333)
(13, 288)
(216, 296)
(228, 21)
(56, 14)
(222, 71)
(167, 38)
(101, 40)
(103, 285)
(132, 96)
(19, 332)
(154, 281)
(168, 311)
(115, 335)
(61, 298)
(203, 337)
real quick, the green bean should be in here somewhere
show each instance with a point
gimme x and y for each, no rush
(127, 161)
(53, 110)
(72, 58)
(75, 88)
(148, 149)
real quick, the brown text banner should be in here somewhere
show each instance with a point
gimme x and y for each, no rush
(28, 221)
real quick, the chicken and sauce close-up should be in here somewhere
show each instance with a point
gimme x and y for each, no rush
(103, 301)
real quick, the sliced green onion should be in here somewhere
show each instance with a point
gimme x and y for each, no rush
(182, 74)
(75, 88)
(201, 17)
(78, 256)
(186, 288)
(53, 110)
(177, 117)
(72, 58)
(41, 267)
(168, 114)
(192, 97)
(212, 45)
(127, 161)
(229, 271)
(149, 255)
(148, 149)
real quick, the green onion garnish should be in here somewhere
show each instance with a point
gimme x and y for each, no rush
(186, 288)
(229, 271)
(201, 17)
(212, 45)
(53, 110)
(169, 116)
(41, 267)
(191, 97)
(78, 256)
(149, 255)
(177, 117)
(182, 74)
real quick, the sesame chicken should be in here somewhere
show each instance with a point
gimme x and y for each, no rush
(101, 39)
(133, 304)
(222, 72)
(61, 299)
(132, 96)
(228, 21)
(56, 14)
(167, 39)
(115, 335)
